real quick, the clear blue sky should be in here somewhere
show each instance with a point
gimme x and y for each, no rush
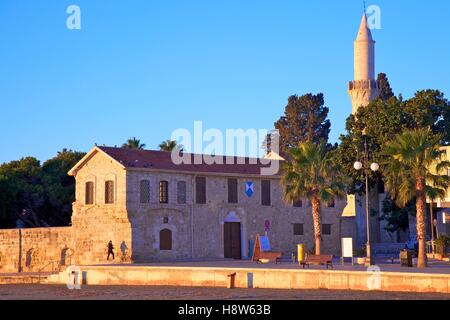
(144, 67)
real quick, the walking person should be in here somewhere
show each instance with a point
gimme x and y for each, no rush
(110, 250)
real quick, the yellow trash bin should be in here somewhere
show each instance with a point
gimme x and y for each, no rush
(300, 252)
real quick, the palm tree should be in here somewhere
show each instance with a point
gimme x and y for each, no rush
(413, 162)
(310, 173)
(432, 194)
(134, 143)
(170, 145)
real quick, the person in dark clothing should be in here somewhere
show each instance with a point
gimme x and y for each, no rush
(110, 250)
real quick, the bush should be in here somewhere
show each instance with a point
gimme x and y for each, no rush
(361, 252)
(442, 244)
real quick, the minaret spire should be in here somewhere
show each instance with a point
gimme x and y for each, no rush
(363, 88)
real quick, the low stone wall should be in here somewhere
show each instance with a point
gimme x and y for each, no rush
(30, 250)
(260, 278)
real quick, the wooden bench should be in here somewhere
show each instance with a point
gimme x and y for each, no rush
(270, 255)
(259, 254)
(325, 259)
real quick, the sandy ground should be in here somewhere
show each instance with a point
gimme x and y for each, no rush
(45, 292)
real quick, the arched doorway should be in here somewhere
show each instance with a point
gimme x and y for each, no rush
(232, 236)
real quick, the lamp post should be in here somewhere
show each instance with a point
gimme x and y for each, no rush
(374, 167)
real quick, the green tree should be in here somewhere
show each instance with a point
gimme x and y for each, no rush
(59, 187)
(310, 173)
(395, 216)
(382, 121)
(38, 195)
(133, 143)
(432, 194)
(385, 90)
(22, 194)
(410, 160)
(170, 145)
(305, 119)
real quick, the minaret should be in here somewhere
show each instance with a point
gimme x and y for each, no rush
(363, 88)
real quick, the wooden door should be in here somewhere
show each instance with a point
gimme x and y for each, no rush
(232, 240)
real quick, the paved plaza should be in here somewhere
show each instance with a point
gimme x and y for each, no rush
(385, 264)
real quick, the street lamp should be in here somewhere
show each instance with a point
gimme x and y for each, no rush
(374, 167)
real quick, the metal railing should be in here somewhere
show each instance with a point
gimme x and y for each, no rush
(53, 263)
(431, 246)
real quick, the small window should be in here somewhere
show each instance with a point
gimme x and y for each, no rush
(181, 192)
(331, 203)
(165, 239)
(145, 191)
(298, 229)
(265, 193)
(166, 220)
(326, 229)
(163, 192)
(232, 191)
(89, 195)
(200, 190)
(109, 192)
(298, 203)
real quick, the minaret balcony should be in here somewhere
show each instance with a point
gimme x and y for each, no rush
(362, 84)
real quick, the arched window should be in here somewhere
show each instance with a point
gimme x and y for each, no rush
(181, 192)
(145, 191)
(163, 192)
(109, 192)
(165, 239)
(89, 193)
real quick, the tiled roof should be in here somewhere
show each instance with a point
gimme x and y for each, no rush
(150, 159)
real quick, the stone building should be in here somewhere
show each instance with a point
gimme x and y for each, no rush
(161, 211)
(154, 210)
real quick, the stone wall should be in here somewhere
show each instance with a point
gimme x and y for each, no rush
(30, 250)
(269, 278)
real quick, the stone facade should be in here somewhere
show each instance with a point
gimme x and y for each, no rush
(198, 229)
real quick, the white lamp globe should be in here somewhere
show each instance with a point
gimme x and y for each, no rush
(374, 167)
(357, 165)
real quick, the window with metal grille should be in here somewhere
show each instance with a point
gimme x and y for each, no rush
(109, 192)
(144, 191)
(181, 192)
(163, 192)
(326, 229)
(165, 239)
(298, 203)
(89, 195)
(298, 229)
(265, 193)
(232, 191)
(200, 190)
